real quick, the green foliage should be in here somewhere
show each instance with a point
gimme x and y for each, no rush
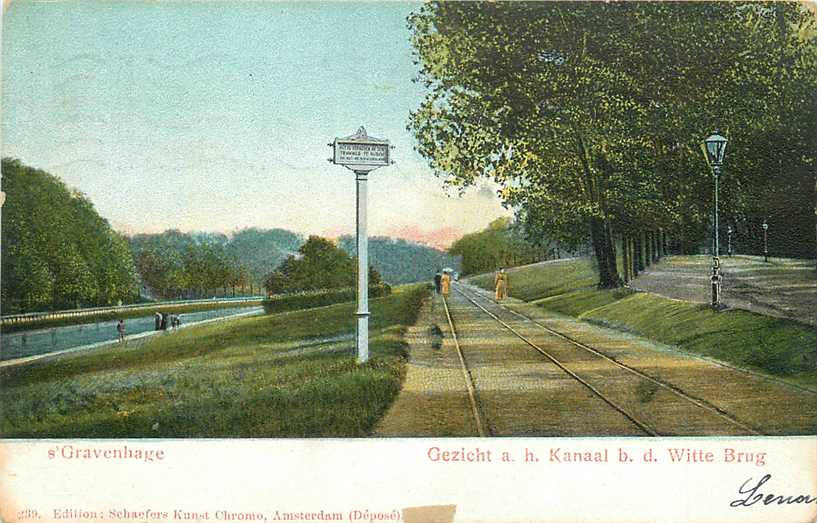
(501, 244)
(310, 299)
(320, 264)
(590, 115)
(283, 375)
(261, 250)
(57, 251)
(175, 265)
(401, 261)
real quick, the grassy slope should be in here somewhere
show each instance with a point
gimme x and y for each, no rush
(244, 378)
(541, 281)
(775, 346)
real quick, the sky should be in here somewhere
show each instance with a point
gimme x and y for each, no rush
(215, 115)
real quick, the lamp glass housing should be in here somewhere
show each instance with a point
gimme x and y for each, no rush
(715, 149)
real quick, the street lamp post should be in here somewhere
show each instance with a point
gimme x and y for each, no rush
(715, 149)
(729, 241)
(765, 241)
(361, 154)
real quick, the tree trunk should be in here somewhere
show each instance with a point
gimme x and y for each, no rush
(644, 260)
(601, 236)
(655, 254)
(625, 258)
(630, 258)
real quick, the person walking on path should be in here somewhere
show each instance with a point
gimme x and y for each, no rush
(437, 280)
(445, 284)
(157, 320)
(501, 284)
(120, 328)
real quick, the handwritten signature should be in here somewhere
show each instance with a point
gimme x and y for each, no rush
(754, 495)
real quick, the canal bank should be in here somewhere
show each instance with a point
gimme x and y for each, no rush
(39, 345)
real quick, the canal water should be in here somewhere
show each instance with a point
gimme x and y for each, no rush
(43, 341)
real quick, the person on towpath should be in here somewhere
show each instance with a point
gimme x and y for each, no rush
(120, 328)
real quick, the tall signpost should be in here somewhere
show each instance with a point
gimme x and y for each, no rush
(361, 154)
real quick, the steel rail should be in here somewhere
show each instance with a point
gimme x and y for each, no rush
(698, 402)
(640, 424)
(469, 384)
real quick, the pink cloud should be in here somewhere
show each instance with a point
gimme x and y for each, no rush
(334, 233)
(440, 238)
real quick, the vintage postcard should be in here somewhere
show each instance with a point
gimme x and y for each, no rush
(408, 261)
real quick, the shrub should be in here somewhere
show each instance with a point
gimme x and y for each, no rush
(311, 299)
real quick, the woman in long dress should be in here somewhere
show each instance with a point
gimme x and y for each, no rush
(445, 283)
(501, 284)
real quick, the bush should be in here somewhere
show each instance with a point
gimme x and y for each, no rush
(311, 299)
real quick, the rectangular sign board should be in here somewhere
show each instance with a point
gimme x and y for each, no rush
(361, 153)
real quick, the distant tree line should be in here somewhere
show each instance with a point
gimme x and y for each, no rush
(57, 252)
(173, 264)
(503, 243)
(400, 261)
(590, 117)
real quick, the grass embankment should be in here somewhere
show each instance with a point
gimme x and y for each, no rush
(780, 347)
(320, 298)
(148, 310)
(279, 375)
(548, 279)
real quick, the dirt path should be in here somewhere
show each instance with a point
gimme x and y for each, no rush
(520, 392)
(434, 400)
(782, 287)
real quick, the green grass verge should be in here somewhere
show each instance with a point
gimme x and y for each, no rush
(320, 298)
(548, 279)
(124, 314)
(776, 346)
(577, 302)
(281, 375)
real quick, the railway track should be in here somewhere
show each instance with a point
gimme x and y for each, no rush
(643, 426)
(469, 382)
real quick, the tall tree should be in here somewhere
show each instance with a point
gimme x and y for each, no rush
(590, 115)
(319, 264)
(57, 251)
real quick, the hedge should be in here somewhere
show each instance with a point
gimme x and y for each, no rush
(319, 298)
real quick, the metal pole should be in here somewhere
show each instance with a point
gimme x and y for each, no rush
(362, 271)
(765, 247)
(717, 249)
(716, 278)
